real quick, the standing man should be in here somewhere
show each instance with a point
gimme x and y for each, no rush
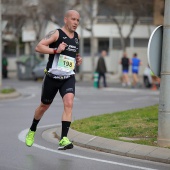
(62, 45)
(125, 62)
(101, 69)
(135, 62)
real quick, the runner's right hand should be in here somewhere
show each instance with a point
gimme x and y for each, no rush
(61, 47)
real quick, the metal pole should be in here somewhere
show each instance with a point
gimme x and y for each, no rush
(92, 53)
(0, 44)
(164, 99)
(81, 39)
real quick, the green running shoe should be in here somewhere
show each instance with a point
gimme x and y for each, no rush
(65, 144)
(29, 140)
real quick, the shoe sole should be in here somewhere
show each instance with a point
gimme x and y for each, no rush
(69, 146)
(28, 145)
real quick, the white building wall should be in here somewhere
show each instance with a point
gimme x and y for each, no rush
(112, 61)
(106, 30)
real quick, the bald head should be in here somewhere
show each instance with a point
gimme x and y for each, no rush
(71, 12)
(71, 20)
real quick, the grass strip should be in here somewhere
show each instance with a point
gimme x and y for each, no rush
(7, 90)
(136, 125)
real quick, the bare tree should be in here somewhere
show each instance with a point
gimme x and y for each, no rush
(36, 15)
(15, 15)
(88, 10)
(45, 11)
(122, 12)
(119, 12)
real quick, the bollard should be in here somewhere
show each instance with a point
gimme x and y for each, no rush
(95, 79)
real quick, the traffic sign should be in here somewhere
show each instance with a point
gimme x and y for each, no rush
(154, 51)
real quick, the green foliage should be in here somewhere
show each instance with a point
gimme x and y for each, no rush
(136, 123)
(7, 90)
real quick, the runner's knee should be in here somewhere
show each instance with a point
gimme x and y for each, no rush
(68, 104)
(44, 107)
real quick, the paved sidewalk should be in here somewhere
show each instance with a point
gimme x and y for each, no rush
(128, 149)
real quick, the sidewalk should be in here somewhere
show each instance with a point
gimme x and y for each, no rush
(128, 149)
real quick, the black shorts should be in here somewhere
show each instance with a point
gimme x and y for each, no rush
(51, 86)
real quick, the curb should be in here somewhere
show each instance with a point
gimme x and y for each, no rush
(128, 149)
(9, 96)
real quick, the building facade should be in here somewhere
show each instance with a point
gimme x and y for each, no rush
(102, 29)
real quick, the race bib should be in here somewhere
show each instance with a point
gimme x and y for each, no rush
(66, 63)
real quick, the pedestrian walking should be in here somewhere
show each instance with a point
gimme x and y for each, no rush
(135, 62)
(125, 62)
(101, 69)
(62, 45)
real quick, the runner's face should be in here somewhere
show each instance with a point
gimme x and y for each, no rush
(72, 21)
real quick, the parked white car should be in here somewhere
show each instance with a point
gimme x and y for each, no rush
(147, 78)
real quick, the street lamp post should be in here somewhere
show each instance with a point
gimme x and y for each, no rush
(164, 100)
(0, 44)
(81, 39)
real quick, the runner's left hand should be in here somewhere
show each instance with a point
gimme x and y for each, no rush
(78, 60)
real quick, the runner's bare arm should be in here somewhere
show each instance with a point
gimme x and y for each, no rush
(43, 45)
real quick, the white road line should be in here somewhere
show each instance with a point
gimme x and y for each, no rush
(121, 90)
(22, 134)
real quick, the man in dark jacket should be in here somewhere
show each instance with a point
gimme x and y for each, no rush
(101, 69)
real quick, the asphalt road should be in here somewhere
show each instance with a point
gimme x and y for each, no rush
(17, 114)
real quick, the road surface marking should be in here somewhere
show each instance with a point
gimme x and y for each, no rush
(22, 134)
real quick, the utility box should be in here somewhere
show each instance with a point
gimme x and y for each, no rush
(25, 65)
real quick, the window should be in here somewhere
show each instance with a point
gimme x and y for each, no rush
(103, 44)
